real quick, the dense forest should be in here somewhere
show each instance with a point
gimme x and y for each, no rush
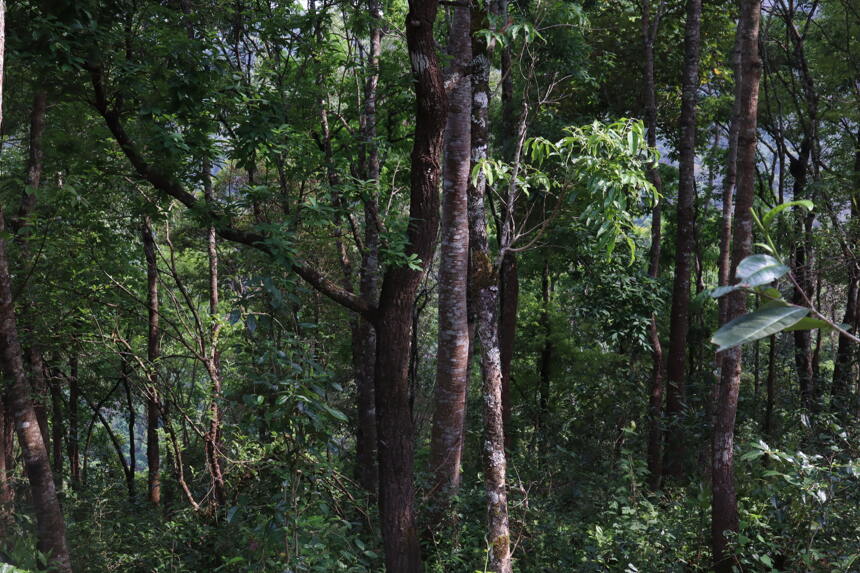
(430, 285)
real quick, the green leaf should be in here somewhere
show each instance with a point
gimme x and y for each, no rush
(758, 270)
(756, 325)
(809, 324)
(722, 291)
(770, 215)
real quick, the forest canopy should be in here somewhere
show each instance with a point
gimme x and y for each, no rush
(429, 285)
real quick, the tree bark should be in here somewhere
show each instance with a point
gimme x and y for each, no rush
(680, 314)
(397, 299)
(73, 448)
(50, 526)
(213, 441)
(364, 349)
(452, 359)
(153, 352)
(724, 513)
(58, 431)
(484, 286)
(655, 400)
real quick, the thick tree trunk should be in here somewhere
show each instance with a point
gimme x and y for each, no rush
(393, 318)
(153, 456)
(50, 526)
(655, 400)
(484, 286)
(452, 359)
(680, 315)
(724, 512)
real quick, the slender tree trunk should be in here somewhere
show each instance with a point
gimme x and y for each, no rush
(213, 359)
(724, 511)
(546, 359)
(484, 284)
(50, 526)
(452, 359)
(767, 429)
(132, 419)
(509, 282)
(153, 456)
(655, 400)
(73, 449)
(395, 428)
(680, 316)
(58, 430)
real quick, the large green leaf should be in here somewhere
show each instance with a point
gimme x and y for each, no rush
(756, 325)
(809, 324)
(757, 270)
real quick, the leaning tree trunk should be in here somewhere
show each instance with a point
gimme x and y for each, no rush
(153, 456)
(680, 315)
(50, 526)
(724, 511)
(393, 318)
(484, 285)
(452, 358)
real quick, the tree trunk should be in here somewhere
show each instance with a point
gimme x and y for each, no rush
(50, 526)
(58, 430)
(73, 449)
(680, 315)
(364, 348)
(213, 359)
(132, 418)
(397, 299)
(153, 349)
(655, 399)
(484, 285)
(452, 359)
(546, 358)
(724, 512)
(767, 428)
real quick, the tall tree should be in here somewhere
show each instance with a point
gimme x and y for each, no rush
(684, 243)
(452, 357)
(153, 353)
(724, 511)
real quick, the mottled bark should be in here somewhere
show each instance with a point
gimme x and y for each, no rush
(484, 286)
(724, 512)
(153, 350)
(680, 314)
(452, 358)
(50, 526)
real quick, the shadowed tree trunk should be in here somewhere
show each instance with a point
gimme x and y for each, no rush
(153, 351)
(364, 348)
(680, 314)
(73, 449)
(213, 357)
(724, 511)
(650, 25)
(452, 359)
